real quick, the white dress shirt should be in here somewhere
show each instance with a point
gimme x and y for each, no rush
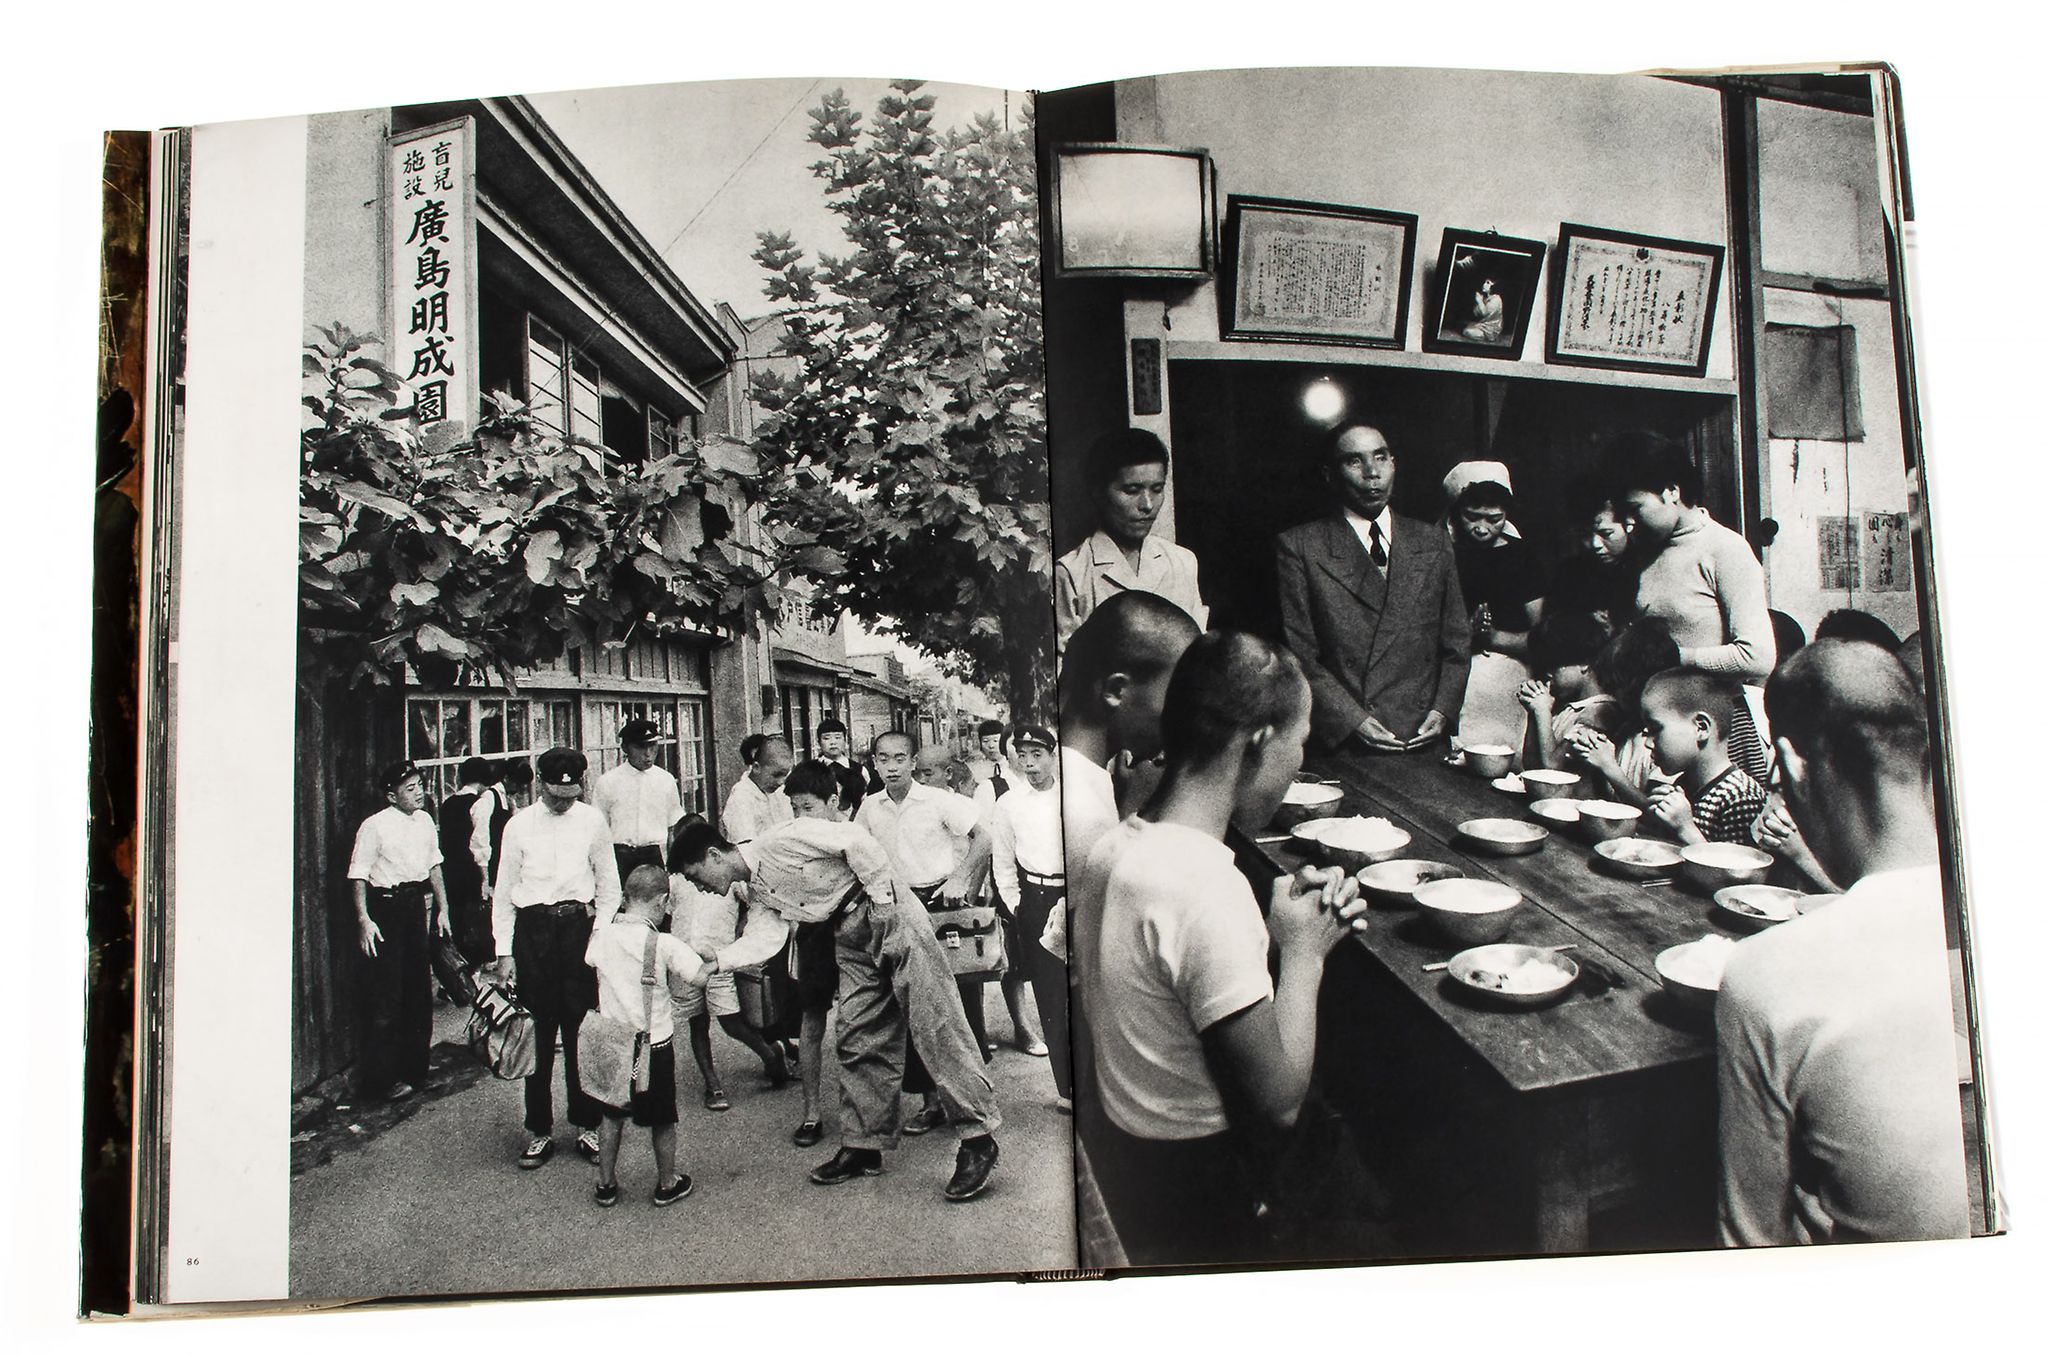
(395, 848)
(1027, 837)
(1363, 527)
(750, 812)
(802, 870)
(925, 835)
(640, 806)
(553, 858)
(480, 815)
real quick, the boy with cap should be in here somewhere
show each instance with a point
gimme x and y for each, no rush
(460, 870)
(395, 867)
(1030, 879)
(639, 800)
(894, 986)
(556, 872)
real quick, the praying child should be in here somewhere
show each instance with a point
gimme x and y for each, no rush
(618, 951)
(1564, 647)
(1685, 715)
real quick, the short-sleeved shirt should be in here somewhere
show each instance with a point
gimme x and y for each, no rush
(1026, 839)
(618, 952)
(750, 812)
(1840, 1113)
(395, 848)
(924, 835)
(1727, 808)
(640, 805)
(1181, 946)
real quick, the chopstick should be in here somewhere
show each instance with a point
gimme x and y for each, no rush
(1660, 883)
(1446, 964)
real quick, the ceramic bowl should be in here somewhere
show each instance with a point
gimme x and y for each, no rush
(1488, 760)
(1502, 837)
(1308, 800)
(1514, 976)
(1751, 908)
(1638, 858)
(1392, 884)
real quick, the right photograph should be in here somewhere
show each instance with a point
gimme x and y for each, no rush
(1502, 739)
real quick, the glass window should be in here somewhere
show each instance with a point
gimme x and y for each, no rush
(546, 376)
(586, 410)
(439, 728)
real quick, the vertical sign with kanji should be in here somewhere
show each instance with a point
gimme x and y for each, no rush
(431, 235)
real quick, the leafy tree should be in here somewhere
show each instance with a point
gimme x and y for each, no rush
(500, 552)
(906, 456)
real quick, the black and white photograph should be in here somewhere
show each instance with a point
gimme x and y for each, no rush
(860, 684)
(1485, 290)
(1675, 961)
(654, 763)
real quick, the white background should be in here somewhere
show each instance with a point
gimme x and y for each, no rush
(1975, 128)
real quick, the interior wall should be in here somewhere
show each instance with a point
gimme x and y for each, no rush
(1513, 153)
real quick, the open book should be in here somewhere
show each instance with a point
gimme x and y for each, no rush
(655, 445)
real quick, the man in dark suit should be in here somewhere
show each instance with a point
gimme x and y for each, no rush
(1369, 604)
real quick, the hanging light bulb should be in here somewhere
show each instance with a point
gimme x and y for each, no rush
(1323, 401)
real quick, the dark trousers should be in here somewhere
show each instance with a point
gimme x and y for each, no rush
(398, 994)
(1046, 974)
(1177, 1202)
(556, 985)
(629, 857)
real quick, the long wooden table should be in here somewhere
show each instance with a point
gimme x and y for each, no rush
(1505, 1131)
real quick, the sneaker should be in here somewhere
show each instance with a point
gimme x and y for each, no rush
(846, 1164)
(669, 1194)
(1063, 1104)
(971, 1170)
(1035, 1047)
(399, 1091)
(807, 1134)
(607, 1196)
(925, 1121)
(539, 1149)
(716, 1099)
(586, 1144)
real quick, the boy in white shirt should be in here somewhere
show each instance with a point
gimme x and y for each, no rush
(395, 867)
(1031, 879)
(618, 952)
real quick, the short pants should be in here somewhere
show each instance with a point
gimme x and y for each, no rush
(656, 1106)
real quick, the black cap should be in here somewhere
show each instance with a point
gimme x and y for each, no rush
(639, 731)
(394, 775)
(561, 767)
(1037, 734)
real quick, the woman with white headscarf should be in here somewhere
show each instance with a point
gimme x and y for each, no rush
(1500, 577)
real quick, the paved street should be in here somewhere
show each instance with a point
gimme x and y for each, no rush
(436, 1203)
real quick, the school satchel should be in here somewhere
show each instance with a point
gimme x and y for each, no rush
(972, 940)
(612, 1057)
(501, 1032)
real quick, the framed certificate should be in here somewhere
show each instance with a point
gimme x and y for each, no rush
(1633, 302)
(1310, 272)
(1133, 212)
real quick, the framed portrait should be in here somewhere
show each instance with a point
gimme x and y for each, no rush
(1311, 272)
(1633, 302)
(1133, 212)
(1482, 295)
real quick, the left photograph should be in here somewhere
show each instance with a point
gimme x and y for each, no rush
(674, 667)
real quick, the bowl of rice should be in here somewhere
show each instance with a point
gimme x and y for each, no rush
(1353, 842)
(1557, 813)
(1307, 800)
(1600, 820)
(1691, 972)
(1489, 760)
(1638, 858)
(1514, 976)
(1544, 781)
(1469, 912)
(1392, 884)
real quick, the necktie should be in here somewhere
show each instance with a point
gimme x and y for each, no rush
(1001, 786)
(1379, 546)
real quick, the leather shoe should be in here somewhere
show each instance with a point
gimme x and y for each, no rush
(777, 1067)
(846, 1165)
(807, 1134)
(925, 1121)
(971, 1171)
